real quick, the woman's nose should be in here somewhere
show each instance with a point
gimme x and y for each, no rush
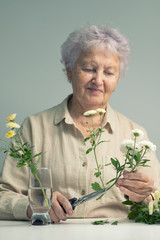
(98, 78)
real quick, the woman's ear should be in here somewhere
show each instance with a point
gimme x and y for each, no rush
(69, 74)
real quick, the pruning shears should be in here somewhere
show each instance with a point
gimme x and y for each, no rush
(75, 202)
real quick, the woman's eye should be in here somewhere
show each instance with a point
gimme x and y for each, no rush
(89, 70)
(108, 73)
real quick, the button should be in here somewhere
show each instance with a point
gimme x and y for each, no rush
(82, 192)
(84, 164)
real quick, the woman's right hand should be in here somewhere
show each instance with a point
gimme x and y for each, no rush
(56, 211)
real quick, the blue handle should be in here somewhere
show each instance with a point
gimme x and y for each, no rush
(72, 201)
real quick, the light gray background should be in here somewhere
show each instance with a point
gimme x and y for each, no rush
(31, 76)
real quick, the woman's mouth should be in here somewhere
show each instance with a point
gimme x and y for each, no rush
(95, 90)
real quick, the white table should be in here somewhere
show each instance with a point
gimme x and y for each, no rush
(78, 229)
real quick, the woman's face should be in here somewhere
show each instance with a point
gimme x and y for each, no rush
(94, 78)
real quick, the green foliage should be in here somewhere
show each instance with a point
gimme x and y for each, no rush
(22, 152)
(134, 157)
(96, 186)
(139, 212)
(128, 202)
(89, 150)
(97, 174)
(95, 140)
(100, 222)
(115, 223)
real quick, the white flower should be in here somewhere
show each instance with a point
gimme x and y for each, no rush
(137, 133)
(148, 145)
(150, 207)
(90, 113)
(101, 111)
(12, 125)
(128, 145)
(11, 117)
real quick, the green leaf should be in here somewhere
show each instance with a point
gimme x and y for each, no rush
(97, 174)
(96, 186)
(89, 150)
(100, 222)
(113, 179)
(20, 165)
(144, 165)
(86, 139)
(132, 215)
(115, 223)
(93, 143)
(128, 202)
(33, 168)
(137, 157)
(36, 155)
(38, 161)
(100, 197)
(114, 162)
(100, 130)
(146, 160)
(107, 164)
(14, 155)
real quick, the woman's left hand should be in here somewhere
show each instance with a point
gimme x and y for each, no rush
(137, 186)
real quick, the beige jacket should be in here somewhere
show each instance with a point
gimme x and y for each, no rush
(54, 133)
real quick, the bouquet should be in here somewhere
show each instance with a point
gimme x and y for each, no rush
(20, 151)
(135, 151)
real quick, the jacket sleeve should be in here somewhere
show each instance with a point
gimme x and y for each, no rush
(14, 185)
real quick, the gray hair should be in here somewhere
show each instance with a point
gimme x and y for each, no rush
(95, 36)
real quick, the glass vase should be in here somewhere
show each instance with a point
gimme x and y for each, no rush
(40, 195)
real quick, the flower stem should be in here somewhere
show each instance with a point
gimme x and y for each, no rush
(45, 199)
(133, 166)
(95, 155)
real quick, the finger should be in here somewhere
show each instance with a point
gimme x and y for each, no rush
(137, 176)
(53, 217)
(148, 199)
(144, 186)
(62, 206)
(67, 206)
(135, 197)
(58, 210)
(143, 192)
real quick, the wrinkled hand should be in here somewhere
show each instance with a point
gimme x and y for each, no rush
(56, 212)
(137, 186)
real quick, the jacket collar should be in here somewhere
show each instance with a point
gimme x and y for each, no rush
(62, 114)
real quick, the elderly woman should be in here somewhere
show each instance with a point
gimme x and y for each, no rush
(94, 58)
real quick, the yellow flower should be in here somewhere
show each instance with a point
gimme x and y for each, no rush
(101, 111)
(11, 117)
(12, 125)
(10, 134)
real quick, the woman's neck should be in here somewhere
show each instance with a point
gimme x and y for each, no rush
(80, 120)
